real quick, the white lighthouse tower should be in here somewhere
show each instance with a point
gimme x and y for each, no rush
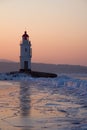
(25, 53)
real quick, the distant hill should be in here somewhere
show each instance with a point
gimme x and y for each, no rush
(60, 68)
(7, 66)
(5, 60)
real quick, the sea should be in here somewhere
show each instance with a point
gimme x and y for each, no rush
(28, 103)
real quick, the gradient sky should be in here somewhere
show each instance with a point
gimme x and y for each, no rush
(57, 30)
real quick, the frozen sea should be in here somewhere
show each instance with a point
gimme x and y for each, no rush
(43, 103)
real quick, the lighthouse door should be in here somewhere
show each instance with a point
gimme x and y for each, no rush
(26, 65)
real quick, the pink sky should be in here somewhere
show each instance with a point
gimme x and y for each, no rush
(57, 29)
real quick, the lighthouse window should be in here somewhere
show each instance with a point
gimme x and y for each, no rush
(25, 49)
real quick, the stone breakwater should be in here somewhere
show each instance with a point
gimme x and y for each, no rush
(21, 75)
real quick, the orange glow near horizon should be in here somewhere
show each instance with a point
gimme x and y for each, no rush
(57, 30)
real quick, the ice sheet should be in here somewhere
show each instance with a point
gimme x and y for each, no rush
(43, 103)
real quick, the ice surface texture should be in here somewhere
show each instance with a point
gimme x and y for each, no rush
(43, 103)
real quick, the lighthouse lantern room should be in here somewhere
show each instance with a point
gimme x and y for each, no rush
(25, 53)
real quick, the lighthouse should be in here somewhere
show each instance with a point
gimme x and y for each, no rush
(25, 53)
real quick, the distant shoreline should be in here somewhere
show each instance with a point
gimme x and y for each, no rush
(42, 67)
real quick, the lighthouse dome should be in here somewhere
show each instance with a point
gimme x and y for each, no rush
(25, 35)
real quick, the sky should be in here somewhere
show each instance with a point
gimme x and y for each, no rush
(57, 30)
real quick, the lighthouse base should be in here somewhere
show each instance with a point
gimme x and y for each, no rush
(25, 70)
